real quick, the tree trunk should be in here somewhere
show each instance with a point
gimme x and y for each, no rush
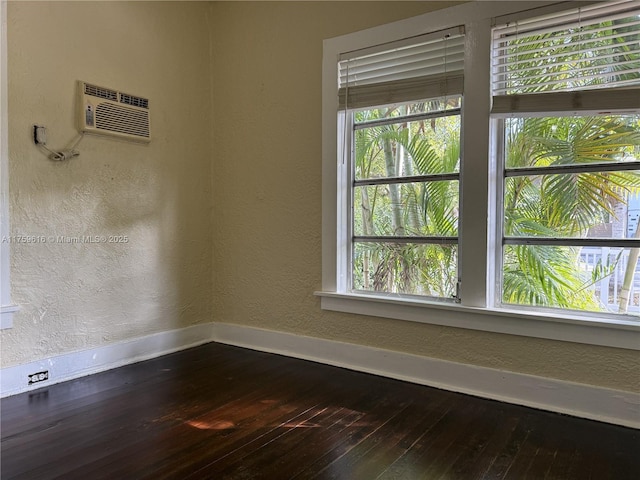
(629, 273)
(367, 229)
(414, 215)
(394, 190)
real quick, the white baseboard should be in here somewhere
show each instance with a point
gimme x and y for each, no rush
(14, 380)
(586, 401)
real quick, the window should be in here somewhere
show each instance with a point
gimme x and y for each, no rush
(406, 198)
(481, 169)
(404, 159)
(570, 153)
(6, 308)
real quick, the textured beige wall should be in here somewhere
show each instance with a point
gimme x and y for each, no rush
(261, 152)
(267, 198)
(75, 297)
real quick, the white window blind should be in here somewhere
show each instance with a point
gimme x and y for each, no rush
(596, 47)
(426, 66)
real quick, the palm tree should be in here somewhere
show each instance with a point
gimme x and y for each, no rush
(562, 205)
(408, 209)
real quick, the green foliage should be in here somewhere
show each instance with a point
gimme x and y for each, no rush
(560, 205)
(576, 58)
(414, 209)
(566, 205)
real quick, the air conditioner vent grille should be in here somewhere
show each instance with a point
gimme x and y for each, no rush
(133, 100)
(109, 112)
(116, 118)
(100, 92)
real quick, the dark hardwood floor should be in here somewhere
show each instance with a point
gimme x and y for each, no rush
(221, 412)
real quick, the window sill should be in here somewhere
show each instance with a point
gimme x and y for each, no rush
(6, 316)
(620, 333)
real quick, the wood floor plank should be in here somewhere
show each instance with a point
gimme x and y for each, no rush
(222, 412)
(170, 431)
(426, 450)
(313, 446)
(326, 447)
(249, 460)
(318, 399)
(393, 443)
(181, 373)
(504, 459)
(343, 463)
(463, 454)
(475, 453)
(223, 448)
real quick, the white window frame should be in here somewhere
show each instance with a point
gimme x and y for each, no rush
(478, 241)
(556, 103)
(351, 127)
(7, 309)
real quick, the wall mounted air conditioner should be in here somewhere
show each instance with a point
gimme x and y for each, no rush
(104, 111)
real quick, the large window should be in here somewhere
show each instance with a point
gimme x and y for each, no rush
(400, 104)
(482, 169)
(406, 199)
(570, 151)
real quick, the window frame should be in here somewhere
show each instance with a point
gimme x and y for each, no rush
(506, 172)
(7, 309)
(352, 126)
(584, 101)
(478, 243)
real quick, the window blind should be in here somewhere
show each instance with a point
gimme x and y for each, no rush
(595, 47)
(426, 66)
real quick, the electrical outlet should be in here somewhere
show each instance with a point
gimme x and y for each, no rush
(38, 377)
(39, 135)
